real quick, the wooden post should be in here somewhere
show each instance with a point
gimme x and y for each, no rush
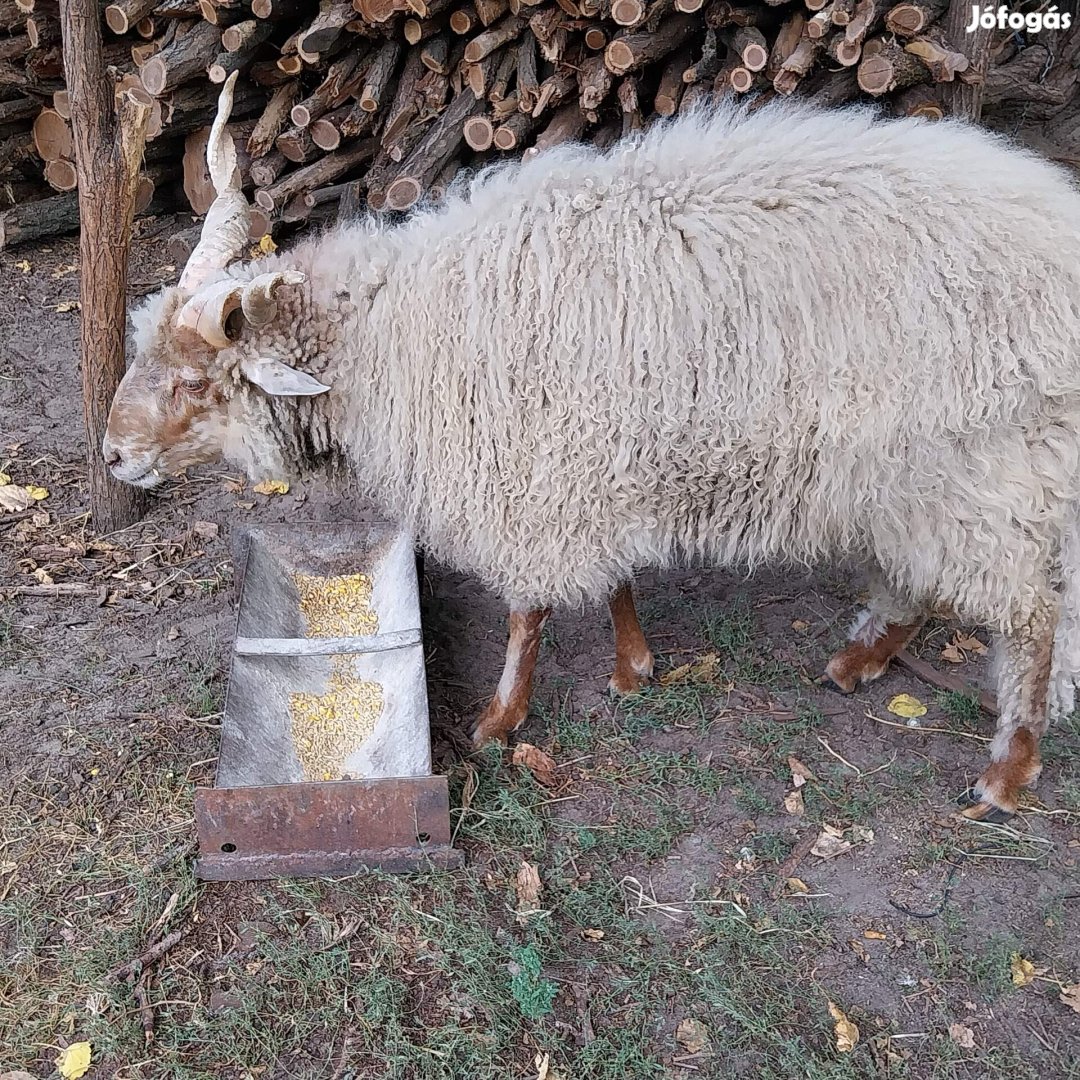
(110, 132)
(963, 96)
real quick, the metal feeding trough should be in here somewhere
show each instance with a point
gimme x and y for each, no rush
(325, 764)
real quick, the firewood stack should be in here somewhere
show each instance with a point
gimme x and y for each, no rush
(381, 102)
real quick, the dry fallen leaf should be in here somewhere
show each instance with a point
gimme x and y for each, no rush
(952, 654)
(234, 487)
(794, 803)
(800, 773)
(830, 843)
(907, 706)
(528, 887)
(63, 271)
(692, 1035)
(67, 305)
(1070, 995)
(271, 487)
(42, 576)
(14, 498)
(24, 266)
(18, 1074)
(797, 885)
(799, 625)
(847, 1034)
(962, 1035)
(37, 493)
(592, 935)
(539, 763)
(1023, 971)
(205, 530)
(267, 245)
(703, 669)
(858, 949)
(969, 644)
(74, 1061)
(875, 935)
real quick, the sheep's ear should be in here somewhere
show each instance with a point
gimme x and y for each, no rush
(280, 380)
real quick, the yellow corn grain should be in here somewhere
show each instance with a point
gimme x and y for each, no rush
(337, 606)
(327, 728)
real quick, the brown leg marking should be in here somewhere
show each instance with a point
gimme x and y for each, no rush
(510, 705)
(1023, 697)
(860, 663)
(997, 794)
(633, 660)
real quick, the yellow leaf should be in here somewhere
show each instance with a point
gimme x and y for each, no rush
(907, 706)
(24, 266)
(67, 305)
(847, 1034)
(1023, 971)
(37, 493)
(794, 803)
(704, 669)
(267, 245)
(874, 935)
(962, 1035)
(797, 885)
(74, 1061)
(271, 487)
(1070, 995)
(4, 479)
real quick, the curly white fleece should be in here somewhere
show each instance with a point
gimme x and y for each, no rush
(780, 335)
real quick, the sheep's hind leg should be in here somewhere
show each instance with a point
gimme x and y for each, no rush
(510, 705)
(633, 659)
(1023, 702)
(882, 629)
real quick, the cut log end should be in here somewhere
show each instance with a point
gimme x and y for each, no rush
(60, 175)
(479, 132)
(116, 19)
(403, 193)
(627, 12)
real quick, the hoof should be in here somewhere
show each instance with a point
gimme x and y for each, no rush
(827, 682)
(623, 685)
(496, 723)
(977, 809)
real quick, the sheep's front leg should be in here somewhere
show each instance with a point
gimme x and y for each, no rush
(1023, 695)
(510, 705)
(882, 629)
(633, 659)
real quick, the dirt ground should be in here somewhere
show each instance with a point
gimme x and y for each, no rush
(683, 927)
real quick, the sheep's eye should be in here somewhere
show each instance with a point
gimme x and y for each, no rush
(194, 386)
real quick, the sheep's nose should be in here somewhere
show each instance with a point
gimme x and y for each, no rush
(110, 454)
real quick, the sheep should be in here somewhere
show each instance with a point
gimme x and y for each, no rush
(782, 336)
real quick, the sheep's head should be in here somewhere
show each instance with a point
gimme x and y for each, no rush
(171, 410)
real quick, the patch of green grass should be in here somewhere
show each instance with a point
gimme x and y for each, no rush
(570, 731)
(751, 801)
(962, 708)
(532, 992)
(682, 704)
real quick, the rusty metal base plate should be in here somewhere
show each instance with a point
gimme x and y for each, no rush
(328, 829)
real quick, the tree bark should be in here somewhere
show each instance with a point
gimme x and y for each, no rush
(964, 97)
(110, 133)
